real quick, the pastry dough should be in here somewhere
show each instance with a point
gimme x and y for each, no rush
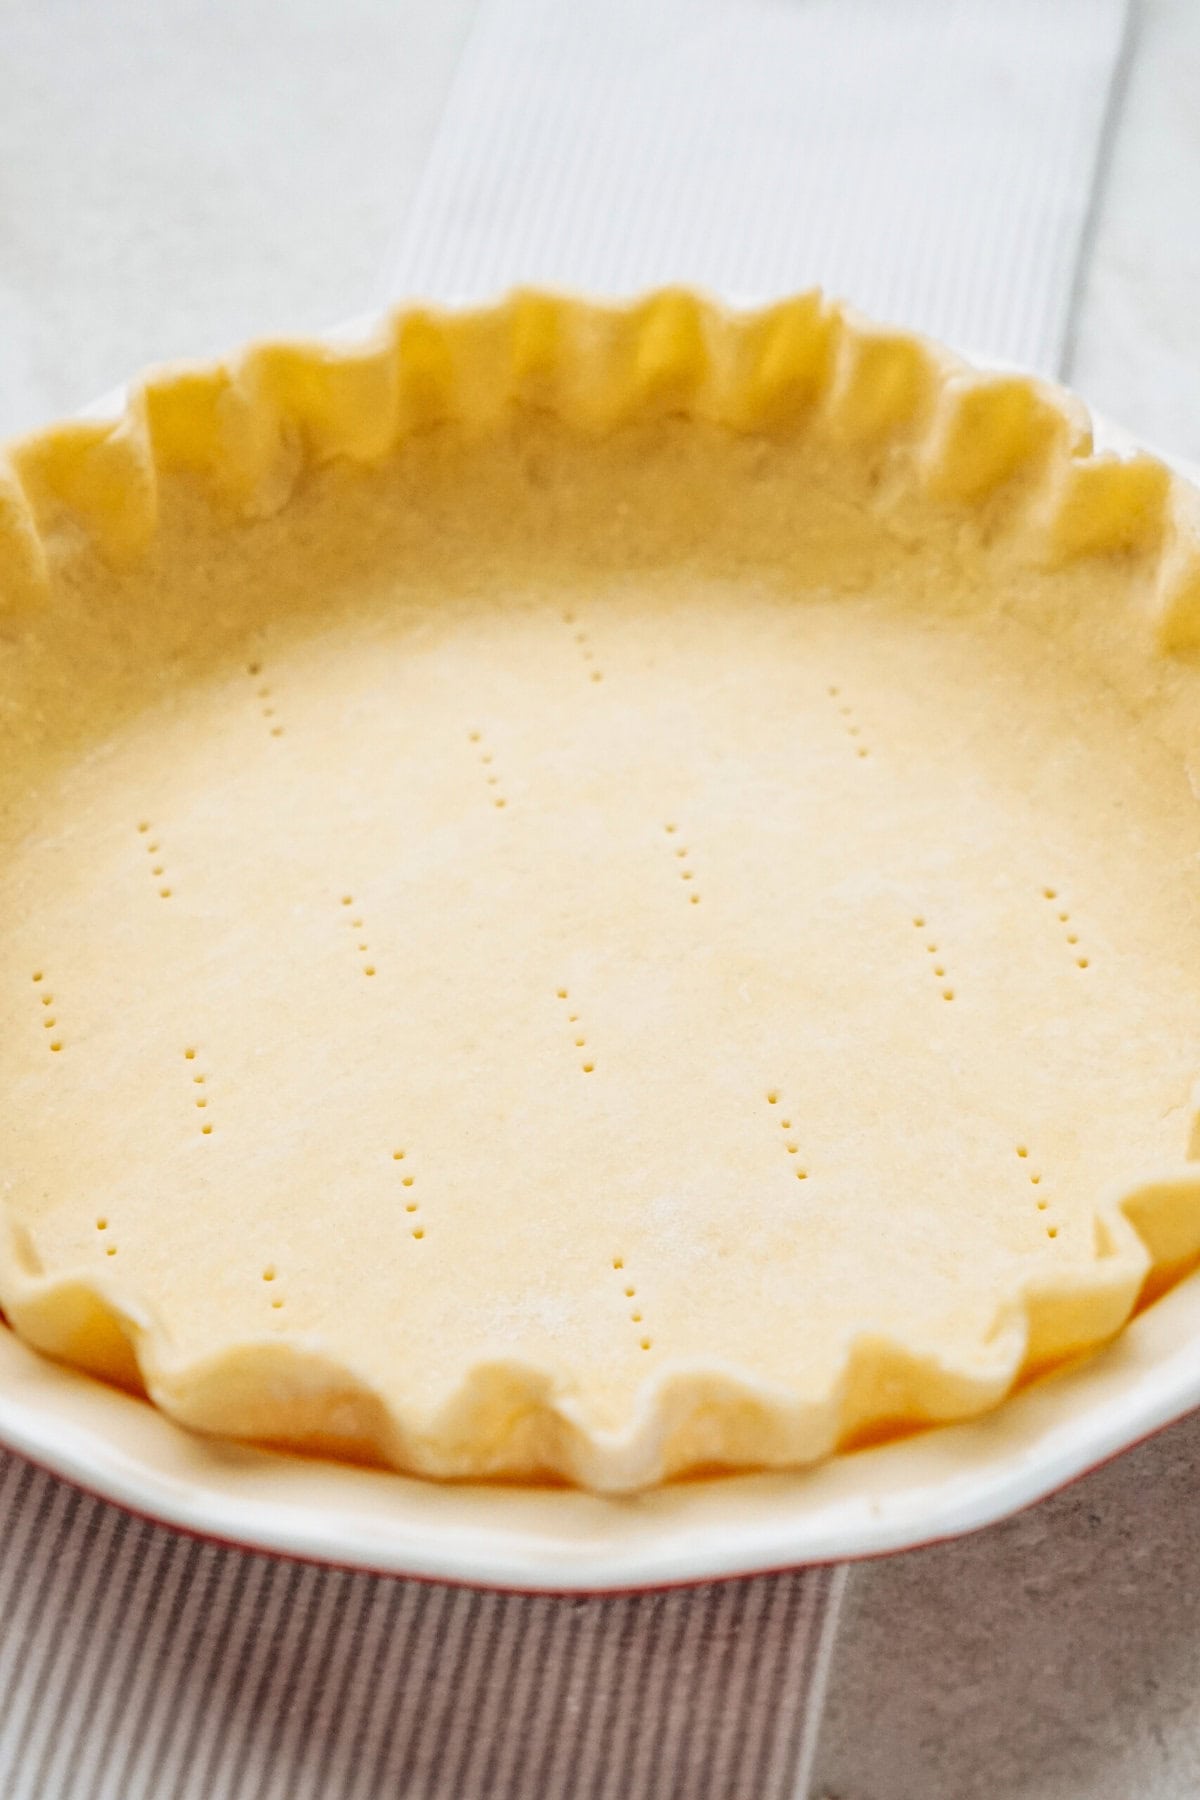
(593, 893)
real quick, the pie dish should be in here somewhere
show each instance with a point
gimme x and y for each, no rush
(594, 893)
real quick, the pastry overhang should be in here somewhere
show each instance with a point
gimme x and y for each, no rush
(594, 892)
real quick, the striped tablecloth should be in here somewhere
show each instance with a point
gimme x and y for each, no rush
(136, 1663)
(933, 161)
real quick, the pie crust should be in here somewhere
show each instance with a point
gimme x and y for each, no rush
(592, 892)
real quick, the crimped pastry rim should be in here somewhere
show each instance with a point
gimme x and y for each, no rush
(251, 425)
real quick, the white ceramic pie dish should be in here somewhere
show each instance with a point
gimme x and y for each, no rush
(934, 1485)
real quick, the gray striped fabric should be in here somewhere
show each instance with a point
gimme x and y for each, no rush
(933, 160)
(136, 1664)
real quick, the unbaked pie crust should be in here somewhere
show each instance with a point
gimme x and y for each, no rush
(594, 893)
